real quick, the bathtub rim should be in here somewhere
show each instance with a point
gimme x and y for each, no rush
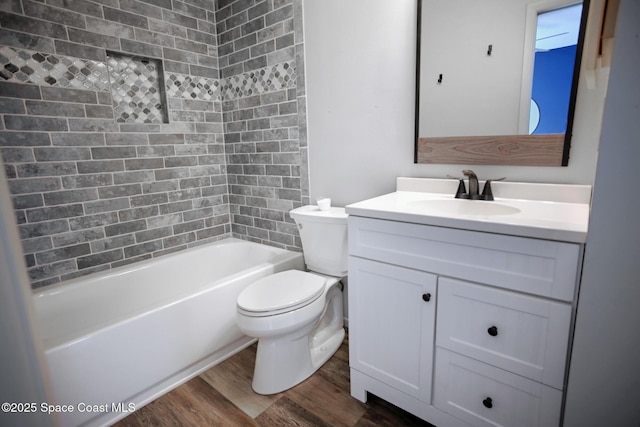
(139, 265)
(58, 341)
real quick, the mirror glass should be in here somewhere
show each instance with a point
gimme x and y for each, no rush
(554, 58)
(496, 80)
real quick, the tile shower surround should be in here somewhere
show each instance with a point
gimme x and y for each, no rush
(93, 192)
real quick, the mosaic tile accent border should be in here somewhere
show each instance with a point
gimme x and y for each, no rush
(192, 87)
(135, 83)
(277, 77)
(136, 89)
(24, 66)
(267, 79)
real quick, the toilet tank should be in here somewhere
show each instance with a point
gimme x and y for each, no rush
(324, 239)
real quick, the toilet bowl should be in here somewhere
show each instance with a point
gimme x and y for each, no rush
(296, 335)
(296, 315)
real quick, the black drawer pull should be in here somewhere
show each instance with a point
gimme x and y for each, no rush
(426, 297)
(493, 331)
(488, 403)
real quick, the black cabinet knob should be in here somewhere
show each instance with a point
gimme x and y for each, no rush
(426, 297)
(493, 331)
(488, 403)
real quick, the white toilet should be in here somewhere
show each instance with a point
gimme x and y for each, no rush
(297, 316)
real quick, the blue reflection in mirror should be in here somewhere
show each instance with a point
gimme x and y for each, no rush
(556, 43)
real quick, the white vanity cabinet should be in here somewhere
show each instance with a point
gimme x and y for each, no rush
(460, 327)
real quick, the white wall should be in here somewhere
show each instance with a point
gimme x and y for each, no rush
(360, 66)
(360, 75)
(604, 379)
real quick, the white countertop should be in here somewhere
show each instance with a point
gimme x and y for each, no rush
(544, 211)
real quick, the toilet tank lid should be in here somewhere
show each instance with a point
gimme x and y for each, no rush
(287, 289)
(313, 213)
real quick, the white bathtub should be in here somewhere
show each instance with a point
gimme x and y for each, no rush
(117, 340)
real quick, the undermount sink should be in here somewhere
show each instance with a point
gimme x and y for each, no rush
(459, 207)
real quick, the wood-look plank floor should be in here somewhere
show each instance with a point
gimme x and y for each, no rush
(222, 396)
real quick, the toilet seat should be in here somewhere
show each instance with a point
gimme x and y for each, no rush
(280, 293)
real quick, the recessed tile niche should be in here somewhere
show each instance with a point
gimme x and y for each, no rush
(137, 89)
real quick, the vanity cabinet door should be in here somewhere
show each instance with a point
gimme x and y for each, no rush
(392, 325)
(522, 334)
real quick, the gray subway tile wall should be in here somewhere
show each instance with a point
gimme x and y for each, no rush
(208, 141)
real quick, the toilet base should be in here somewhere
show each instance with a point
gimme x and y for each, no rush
(322, 353)
(280, 369)
(285, 361)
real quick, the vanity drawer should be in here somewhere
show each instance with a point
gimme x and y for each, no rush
(483, 395)
(522, 334)
(540, 267)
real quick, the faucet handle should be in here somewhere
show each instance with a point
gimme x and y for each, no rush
(461, 193)
(487, 194)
